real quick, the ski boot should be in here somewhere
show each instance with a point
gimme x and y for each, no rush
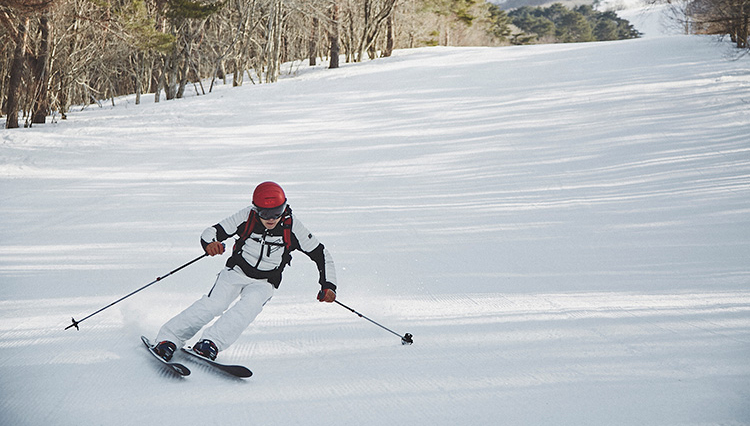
(206, 349)
(165, 349)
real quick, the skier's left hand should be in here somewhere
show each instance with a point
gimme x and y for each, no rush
(327, 295)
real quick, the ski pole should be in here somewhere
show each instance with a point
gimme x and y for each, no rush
(406, 339)
(75, 323)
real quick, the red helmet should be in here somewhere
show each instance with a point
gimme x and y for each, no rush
(269, 200)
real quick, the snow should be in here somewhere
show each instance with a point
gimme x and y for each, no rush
(563, 228)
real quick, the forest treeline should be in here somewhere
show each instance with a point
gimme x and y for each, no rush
(557, 23)
(58, 53)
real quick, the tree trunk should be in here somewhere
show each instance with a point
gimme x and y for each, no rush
(16, 69)
(238, 77)
(312, 46)
(41, 72)
(349, 37)
(138, 72)
(371, 28)
(159, 77)
(170, 73)
(170, 76)
(334, 36)
(273, 43)
(742, 32)
(389, 40)
(366, 38)
(184, 72)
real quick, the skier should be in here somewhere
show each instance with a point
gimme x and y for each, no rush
(268, 232)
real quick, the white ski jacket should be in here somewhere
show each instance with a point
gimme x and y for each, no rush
(265, 253)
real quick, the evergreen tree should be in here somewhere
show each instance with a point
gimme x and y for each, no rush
(499, 22)
(581, 24)
(573, 27)
(605, 30)
(141, 28)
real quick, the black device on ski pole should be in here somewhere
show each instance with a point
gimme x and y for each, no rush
(406, 339)
(75, 323)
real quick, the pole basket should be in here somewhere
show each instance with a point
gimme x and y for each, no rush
(406, 340)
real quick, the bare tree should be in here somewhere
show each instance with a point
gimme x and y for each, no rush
(61, 53)
(334, 36)
(40, 61)
(731, 17)
(16, 71)
(390, 42)
(273, 42)
(375, 13)
(17, 16)
(721, 17)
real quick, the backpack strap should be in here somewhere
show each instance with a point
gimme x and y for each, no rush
(252, 220)
(286, 225)
(273, 276)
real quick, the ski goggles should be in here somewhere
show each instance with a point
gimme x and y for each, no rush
(271, 213)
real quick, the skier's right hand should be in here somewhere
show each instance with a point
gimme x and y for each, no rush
(215, 248)
(326, 295)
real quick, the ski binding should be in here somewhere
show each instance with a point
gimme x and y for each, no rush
(173, 366)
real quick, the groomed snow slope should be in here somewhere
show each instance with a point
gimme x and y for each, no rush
(564, 229)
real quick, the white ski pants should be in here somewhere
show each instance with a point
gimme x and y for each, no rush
(230, 284)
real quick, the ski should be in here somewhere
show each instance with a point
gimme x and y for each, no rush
(234, 370)
(173, 366)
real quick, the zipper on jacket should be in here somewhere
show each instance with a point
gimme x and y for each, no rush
(262, 246)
